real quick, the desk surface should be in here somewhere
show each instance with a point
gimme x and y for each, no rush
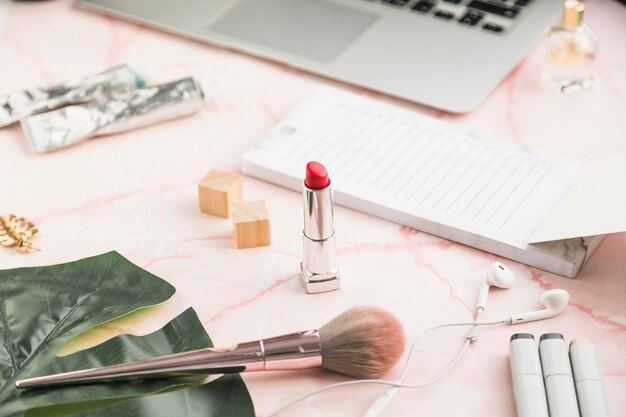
(136, 193)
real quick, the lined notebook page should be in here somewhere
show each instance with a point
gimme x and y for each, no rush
(401, 166)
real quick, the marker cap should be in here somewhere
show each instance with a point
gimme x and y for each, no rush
(580, 351)
(523, 354)
(554, 355)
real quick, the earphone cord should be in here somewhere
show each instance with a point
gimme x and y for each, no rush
(397, 383)
(385, 398)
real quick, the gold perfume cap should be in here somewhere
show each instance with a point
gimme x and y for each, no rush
(573, 14)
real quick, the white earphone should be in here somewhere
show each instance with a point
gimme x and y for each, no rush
(499, 276)
(555, 301)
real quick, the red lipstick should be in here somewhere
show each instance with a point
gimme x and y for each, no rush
(316, 176)
(319, 269)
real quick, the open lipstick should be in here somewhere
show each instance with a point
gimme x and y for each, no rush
(320, 272)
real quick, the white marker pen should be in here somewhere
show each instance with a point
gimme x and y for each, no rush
(557, 376)
(530, 393)
(588, 379)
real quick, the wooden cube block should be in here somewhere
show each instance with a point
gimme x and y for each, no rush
(252, 224)
(218, 190)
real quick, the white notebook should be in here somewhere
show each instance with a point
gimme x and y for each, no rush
(426, 174)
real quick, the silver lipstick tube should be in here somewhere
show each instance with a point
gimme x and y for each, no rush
(319, 270)
(73, 124)
(301, 350)
(20, 104)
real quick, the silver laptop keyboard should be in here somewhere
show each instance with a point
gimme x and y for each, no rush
(493, 16)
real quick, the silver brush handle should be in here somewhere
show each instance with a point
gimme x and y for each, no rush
(300, 350)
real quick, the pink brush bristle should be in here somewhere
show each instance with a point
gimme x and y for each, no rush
(363, 342)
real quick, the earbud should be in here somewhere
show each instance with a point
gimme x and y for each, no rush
(500, 276)
(555, 301)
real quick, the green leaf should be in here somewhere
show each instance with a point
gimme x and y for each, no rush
(224, 397)
(42, 308)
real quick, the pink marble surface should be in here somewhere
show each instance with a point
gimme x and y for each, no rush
(136, 193)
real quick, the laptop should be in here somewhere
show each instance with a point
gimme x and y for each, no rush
(447, 54)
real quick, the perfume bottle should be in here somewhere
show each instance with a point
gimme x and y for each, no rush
(570, 51)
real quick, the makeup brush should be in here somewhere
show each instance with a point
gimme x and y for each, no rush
(363, 342)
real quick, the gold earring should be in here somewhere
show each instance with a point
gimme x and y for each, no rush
(16, 232)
